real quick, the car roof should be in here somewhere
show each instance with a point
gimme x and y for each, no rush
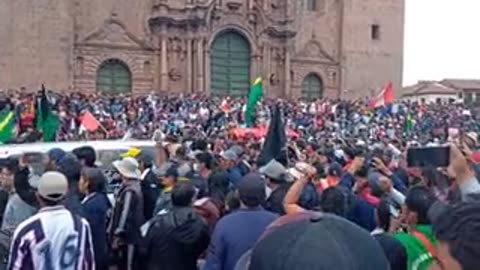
(41, 147)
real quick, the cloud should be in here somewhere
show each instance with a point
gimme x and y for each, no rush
(441, 40)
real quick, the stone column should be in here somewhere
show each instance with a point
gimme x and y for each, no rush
(287, 72)
(156, 65)
(189, 65)
(200, 65)
(163, 64)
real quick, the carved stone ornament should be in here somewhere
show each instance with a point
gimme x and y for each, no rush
(174, 74)
(113, 32)
(234, 4)
(313, 49)
(274, 80)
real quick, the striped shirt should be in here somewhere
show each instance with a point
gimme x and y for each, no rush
(52, 239)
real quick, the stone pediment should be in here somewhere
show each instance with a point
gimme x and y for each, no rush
(314, 50)
(113, 32)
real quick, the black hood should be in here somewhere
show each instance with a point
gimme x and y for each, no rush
(186, 227)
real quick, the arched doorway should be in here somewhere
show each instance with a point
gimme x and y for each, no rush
(312, 87)
(114, 77)
(230, 65)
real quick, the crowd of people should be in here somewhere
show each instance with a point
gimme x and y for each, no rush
(338, 195)
(142, 117)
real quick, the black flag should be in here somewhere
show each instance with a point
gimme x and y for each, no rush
(274, 146)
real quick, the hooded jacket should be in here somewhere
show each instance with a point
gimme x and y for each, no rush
(174, 240)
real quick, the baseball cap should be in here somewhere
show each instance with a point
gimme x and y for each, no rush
(133, 152)
(229, 155)
(56, 154)
(146, 157)
(166, 170)
(251, 190)
(52, 186)
(274, 170)
(314, 240)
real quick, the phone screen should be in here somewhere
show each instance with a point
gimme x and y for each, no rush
(428, 156)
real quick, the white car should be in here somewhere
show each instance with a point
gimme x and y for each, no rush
(107, 152)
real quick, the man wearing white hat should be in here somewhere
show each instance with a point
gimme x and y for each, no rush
(54, 238)
(128, 214)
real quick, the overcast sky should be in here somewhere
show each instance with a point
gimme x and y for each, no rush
(442, 40)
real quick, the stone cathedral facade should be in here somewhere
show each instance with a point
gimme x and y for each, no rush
(301, 48)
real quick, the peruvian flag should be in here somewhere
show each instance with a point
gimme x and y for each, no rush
(383, 98)
(225, 106)
(89, 123)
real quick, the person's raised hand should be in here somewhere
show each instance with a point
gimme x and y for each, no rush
(386, 184)
(459, 167)
(378, 163)
(356, 164)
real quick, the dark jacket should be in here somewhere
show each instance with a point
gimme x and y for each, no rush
(128, 213)
(72, 201)
(234, 176)
(218, 187)
(358, 210)
(175, 240)
(394, 251)
(164, 201)
(4, 195)
(95, 209)
(23, 188)
(274, 203)
(234, 235)
(151, 191)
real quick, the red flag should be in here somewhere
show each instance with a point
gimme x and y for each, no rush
(89, 122)
(384, 97)
(224, 106)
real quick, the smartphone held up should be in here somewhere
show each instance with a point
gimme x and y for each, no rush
(437, 156)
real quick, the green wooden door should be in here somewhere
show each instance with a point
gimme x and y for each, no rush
(312, 87)
(230, 65)
(114, 77)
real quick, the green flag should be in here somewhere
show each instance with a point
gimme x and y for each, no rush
(7, 124)
(47, 122)
(408, 123)
(255, 95)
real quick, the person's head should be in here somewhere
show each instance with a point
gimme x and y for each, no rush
(52, 189)
(232, 201)
(167, 174)
(145, 160)
(275, 173)
(383, 214)
(54, 156)
(228, 159)
(183, 194)
(86, 155)
(92, 180)
(334, 170)
(471, 139)
(204, 161)
(70, 167)
(127, 168)
(418, 202)
(7, 174)
(251, 190)
(333, 200)
(292, 242)
(458, 233)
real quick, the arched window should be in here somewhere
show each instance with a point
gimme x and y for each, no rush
(312, 87)
(114, 77)
(230, 65)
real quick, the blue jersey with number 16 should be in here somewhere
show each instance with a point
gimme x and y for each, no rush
(53, 239)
